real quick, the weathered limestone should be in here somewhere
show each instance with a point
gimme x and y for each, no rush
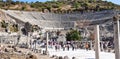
(116, 37)
(97, 42)
(47, 43)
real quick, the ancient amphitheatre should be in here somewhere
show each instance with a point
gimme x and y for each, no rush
(37, 44)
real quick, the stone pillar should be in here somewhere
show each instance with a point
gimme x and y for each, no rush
(97, 42)
(46, 42)
(102, 45)
(91, 45)
(0, 40)
(28, 40)
(116, 37)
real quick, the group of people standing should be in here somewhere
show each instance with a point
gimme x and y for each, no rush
(106, 45)
(64, 47)
(71, 46)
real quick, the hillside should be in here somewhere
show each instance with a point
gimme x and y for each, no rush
(59, 6)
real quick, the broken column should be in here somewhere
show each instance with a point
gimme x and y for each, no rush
(97, 42)
(116, 37)
(47, 42)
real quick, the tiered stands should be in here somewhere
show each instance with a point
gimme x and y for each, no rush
(52, 20)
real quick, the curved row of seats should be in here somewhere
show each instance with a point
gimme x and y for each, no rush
(58, 20)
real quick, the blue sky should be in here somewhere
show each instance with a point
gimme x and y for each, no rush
(114, 1)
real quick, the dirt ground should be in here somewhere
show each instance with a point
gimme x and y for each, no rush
(24, 54)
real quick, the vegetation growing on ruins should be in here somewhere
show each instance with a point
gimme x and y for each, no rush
(29, 28)
(14, 28)
(73, 35)
(4, 24)
(59, 6)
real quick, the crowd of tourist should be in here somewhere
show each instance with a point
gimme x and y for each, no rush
(106, 46)
(68, 45)
(71, 45)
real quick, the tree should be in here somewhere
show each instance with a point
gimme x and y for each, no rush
(49, 8)
(9, 1)
(94, 0)
(76, 5)
(4, 24)
(73, 35)
(14, 28)
(23, 8)
(27, 27)
(35, 28)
